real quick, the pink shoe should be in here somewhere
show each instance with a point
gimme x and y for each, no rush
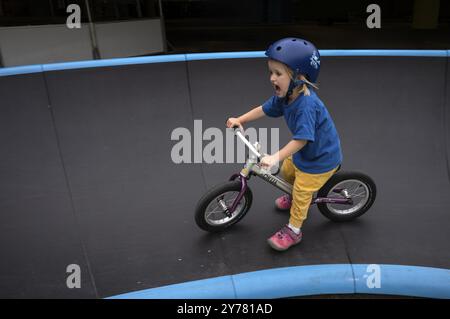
(284, 238)
(284, 202)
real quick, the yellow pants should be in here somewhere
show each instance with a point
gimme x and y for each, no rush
(305, 185)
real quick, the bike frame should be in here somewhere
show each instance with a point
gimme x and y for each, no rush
(252, 167)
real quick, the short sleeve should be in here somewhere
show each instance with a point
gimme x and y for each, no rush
(305, 124)
(272, 107)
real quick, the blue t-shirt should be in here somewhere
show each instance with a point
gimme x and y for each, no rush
(308, 119)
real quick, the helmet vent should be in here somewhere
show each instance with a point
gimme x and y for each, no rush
(294, 39)
(304, 42)
(278, 48)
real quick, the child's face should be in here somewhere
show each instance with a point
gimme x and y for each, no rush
(279, 77)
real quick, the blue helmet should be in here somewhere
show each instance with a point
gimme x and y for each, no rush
(299, 55)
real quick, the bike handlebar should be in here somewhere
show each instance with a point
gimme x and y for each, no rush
(238, 132)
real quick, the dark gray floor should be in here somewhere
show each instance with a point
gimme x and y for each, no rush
(90, 180)
(39, 234)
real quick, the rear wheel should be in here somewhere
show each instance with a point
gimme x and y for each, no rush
(211, 213)
(360, 188)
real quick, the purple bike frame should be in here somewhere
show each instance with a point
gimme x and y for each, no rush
(316, 200)
(241, 193)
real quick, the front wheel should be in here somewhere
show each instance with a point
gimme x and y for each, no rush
(360, 188)
(210, 214)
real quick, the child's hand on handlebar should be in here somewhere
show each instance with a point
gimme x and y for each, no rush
(268, 161)
(232, 122)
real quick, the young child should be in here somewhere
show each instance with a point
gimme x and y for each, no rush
(314, 153)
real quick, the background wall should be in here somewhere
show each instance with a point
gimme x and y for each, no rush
(56, 43)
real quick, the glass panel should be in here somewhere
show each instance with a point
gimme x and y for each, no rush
(42, 12)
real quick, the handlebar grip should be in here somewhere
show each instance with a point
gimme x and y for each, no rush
(277, 171)
(234, 127)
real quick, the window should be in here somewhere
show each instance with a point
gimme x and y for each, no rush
(41, 12)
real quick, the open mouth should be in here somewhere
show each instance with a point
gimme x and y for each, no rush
(277, 89)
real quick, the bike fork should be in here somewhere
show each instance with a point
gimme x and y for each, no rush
(244, 187)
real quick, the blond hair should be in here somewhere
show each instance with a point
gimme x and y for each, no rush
(301, 88)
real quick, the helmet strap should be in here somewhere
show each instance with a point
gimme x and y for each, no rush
(293, 84)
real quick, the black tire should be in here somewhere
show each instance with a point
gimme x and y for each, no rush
(211, 195)
(340, 177)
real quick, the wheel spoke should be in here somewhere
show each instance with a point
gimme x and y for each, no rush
(354, 190)
(230, 201)
(214, 213)
(358, 195)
